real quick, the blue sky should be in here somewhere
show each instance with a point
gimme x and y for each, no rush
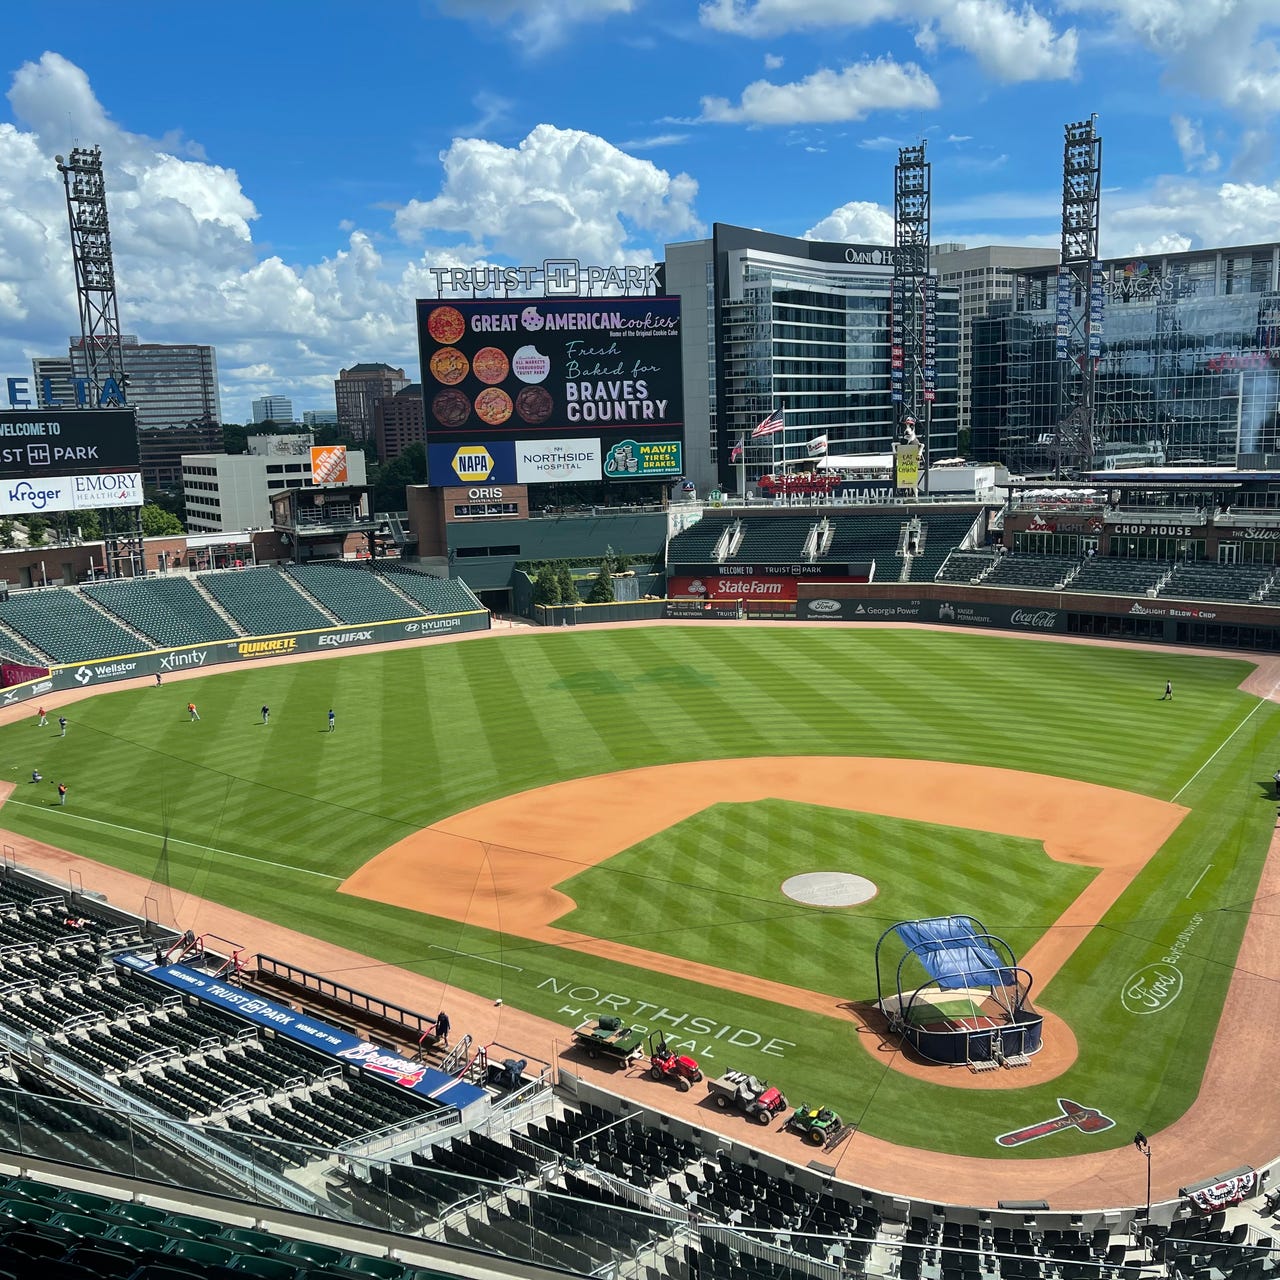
(281, 174)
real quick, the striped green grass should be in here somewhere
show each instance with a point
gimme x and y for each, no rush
(270, 819)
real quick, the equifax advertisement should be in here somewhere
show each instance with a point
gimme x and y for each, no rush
(550, 369)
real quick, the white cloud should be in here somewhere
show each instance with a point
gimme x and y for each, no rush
(188, 268)
(827, 96)
(881, 143)
(773, 61)
(1223, 50)
(1190, 139)
(1183, 209)
(538, 25)
(858, 222)
(654, 141)
(557, 187)
(1010, 43)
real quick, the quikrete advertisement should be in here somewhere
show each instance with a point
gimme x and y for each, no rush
(552, 368)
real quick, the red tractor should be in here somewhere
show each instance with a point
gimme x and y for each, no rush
(665, 1065)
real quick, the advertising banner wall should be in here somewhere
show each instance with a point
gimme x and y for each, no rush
(66, 442)
(329, 464)
(554, 460)
(82, 675)
(481, 462)
(302, 1028)
(548, 369)
(958, 613)
(644, 459)
(70, 493)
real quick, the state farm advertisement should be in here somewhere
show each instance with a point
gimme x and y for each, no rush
(551, 368)
(714, 587)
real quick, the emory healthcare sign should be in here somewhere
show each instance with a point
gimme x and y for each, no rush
(70, 493)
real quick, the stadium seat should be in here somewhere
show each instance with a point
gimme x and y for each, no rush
(263, 601)
(169, 610)
(265, 1268)
(350, 593)
(69, 629)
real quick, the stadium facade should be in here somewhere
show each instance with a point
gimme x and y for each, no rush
(774, 322)
(1187, 372)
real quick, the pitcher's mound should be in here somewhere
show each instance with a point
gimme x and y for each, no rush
(829, 889)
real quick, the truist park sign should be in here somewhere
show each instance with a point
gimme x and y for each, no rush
(554, 278)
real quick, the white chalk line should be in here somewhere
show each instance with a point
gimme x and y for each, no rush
(1256, 708)
(483, 959)
(1200, 877)
(208, 848)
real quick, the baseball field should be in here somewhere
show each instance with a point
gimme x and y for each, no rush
(585, 822)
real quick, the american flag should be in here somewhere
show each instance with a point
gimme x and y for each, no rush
(736, 452)
(771, 425)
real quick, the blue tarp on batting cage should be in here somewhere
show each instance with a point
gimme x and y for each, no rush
(954, 952)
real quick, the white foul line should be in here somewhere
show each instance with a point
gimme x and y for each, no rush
(208, 848)
(1200, 877)
(1257, 706)
(483, 959)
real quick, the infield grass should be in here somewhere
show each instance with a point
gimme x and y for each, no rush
(270, 818)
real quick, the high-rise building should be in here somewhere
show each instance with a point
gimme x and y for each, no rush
(320, 417)
(1187, 371)
(358, 389)
(161, 449)
(273, 409)
(399, 421)
(981, 276)
(166, 384)
(770, 322)
(54, 382)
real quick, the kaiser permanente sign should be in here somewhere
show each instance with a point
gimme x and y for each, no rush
(129, 666)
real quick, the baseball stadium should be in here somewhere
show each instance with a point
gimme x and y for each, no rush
(841, 867)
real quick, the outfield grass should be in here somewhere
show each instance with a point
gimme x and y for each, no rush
(708, 889)
(270, 819)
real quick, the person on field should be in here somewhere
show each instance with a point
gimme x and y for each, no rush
(62, 724)
(62, 793)
(44, 719)
(192, 713)
(442, 1028)
(266, 714)
(1168, 691)
(331, 718)
(1276, 778)
(159, 679)
(37, 776)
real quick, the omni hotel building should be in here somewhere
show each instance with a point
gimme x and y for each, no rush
(1189, 371)
(770, 321)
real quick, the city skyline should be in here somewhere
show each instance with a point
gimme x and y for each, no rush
(290, 220)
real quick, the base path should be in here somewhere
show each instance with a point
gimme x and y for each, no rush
(496, 866)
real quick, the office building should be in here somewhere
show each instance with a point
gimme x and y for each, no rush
(161, 450)
(231, 492)
(166, 384)
(273, 409)
(981, 277)
(320, 417)
(399, 421)
(771, 322)
(53, 381)
(358, 389)
(1188, 370)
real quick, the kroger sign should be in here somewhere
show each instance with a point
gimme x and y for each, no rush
(70, 493)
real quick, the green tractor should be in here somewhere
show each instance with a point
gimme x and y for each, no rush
(819, 1125)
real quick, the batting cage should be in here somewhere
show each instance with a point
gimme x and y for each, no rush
(955, 993)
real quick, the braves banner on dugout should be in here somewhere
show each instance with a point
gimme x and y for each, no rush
(309, 1031)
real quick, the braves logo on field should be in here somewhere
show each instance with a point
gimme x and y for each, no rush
(1072, 1116)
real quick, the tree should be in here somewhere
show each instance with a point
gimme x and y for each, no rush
(389, 482)
(6, 534)
(568, 588)
(546, 586)
(235, 438)
(89, 523)
(602, 588)
(159, 523)
(37, 526)
(621, 561)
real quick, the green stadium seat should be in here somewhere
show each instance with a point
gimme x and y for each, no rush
(189, 1224)
(139, 1215)
(80, 1225)
(138, 1239)
(245, 1239)
(350, 593)
(86, 1201)
(263, 601)
(25, 1211)
(58, 622)
(265, 1268)
(300, 1251)
(380, 1268)
(200, 1251)
(435, 595)
(169, 610)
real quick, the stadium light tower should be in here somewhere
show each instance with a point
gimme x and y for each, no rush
(95, 272)
(913, 340)
(1078, 327)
